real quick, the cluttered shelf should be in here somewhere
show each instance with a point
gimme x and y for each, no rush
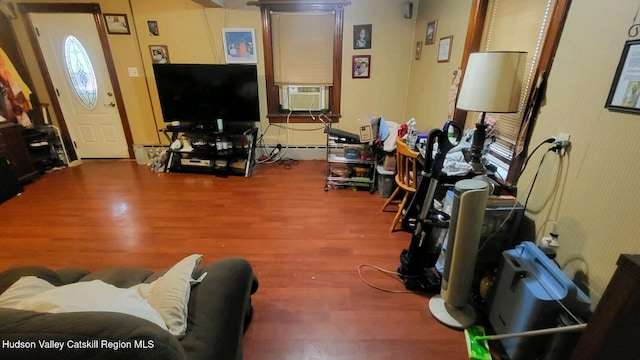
(351, 160)
(202, 150)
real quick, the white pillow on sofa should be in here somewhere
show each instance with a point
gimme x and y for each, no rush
(33, 294)
(170, 293)
(23, 288)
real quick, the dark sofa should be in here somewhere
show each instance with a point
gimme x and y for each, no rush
(219, 312)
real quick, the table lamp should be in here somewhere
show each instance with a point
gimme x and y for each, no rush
(492, 84)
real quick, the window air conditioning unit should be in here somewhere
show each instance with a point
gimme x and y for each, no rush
(304, 98)
(211, 3)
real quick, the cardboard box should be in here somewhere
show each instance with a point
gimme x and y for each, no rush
(389, 162)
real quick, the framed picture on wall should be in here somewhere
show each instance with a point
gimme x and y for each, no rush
(159, 54)
(117, 24)
(361, 65)
(362, 36)
(153, 28)
(431, 32)
(624, 94)
(444, 49)
(239, 46)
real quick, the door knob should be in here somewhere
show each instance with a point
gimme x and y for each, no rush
(111, 104)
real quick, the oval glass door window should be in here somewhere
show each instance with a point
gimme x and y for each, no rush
(81, 73)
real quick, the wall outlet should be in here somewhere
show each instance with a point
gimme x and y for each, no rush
(562, 143)
(133, 72)
(563, 137)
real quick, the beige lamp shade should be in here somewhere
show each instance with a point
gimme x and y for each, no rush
(492, 82)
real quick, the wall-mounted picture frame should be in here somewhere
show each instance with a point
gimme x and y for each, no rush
(159, 54)
(444, 49)
(117, 24)
(362, 36)
(154, 30)
(431, 32)
(361, 66)
(625, 88)
(240, 46)
(418, 50)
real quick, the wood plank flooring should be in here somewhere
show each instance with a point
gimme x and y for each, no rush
(305, 245)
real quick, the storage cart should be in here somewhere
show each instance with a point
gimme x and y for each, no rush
(350, 163)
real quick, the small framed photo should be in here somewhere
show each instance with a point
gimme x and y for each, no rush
(361, 65)
(362, 36)
(153, 28)
(624, 95)
(431, 32)
(444, 49)
(117, 24)
(159, 54)
(418, 50)
(240, 46)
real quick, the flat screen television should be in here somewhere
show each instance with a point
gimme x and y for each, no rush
(200, 94)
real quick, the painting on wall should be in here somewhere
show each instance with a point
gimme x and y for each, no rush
(362, 36)
(361, 65)
(239, 46)
(14, 94)
(159, 54)
(117, 24)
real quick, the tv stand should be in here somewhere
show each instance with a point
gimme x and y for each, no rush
(218, 153)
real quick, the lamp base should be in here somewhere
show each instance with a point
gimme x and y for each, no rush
(477, 146)
(477, 167)
(454, 317)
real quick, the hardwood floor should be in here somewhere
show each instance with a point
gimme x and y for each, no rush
(305, 246)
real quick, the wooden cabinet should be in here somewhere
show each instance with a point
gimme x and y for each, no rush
(612, 332)
(13, 148)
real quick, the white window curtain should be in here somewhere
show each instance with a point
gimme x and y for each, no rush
(302, 47)
(514, 25)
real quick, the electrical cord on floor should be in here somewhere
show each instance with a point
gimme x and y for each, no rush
(288, 163)
(392, 274)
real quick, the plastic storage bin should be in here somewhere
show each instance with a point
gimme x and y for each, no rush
(386, 181)
(528, 293)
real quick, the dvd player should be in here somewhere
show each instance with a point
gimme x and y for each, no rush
(196, 162)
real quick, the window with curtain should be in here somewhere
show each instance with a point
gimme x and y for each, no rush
(513, 25)
(302, 52)
(302, 46)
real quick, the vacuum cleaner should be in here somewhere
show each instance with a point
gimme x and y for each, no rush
(417, 262)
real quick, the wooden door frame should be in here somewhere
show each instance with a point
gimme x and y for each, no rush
(25, 9)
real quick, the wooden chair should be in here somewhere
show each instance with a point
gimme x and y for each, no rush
(406, 179)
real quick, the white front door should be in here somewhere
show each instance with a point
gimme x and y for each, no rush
(75, 61)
